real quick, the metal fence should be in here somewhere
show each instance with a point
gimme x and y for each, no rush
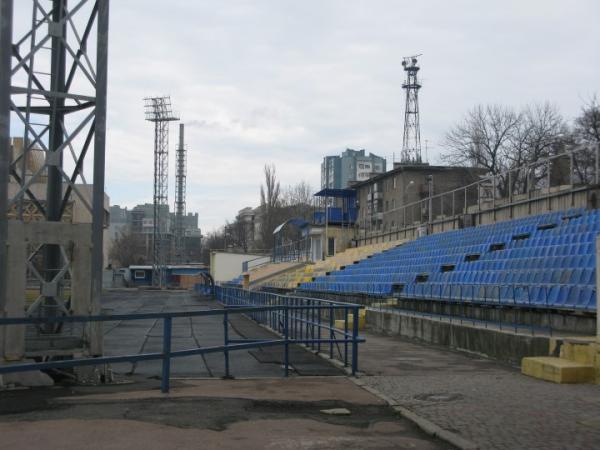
(297, 321)
(302, 320)
(298, 250)
(542, 179)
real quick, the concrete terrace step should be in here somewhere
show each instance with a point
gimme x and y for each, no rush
(557, 370)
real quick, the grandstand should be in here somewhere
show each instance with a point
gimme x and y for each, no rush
(293, 278)
(542, 261)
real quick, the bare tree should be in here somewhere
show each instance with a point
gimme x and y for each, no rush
(587, 125)
(125, 249)
(238, 234)
(214, 240)
(538, 134)
(586, 138)
(298, 200)
(482, 138)
(270, 203)
(499, 139)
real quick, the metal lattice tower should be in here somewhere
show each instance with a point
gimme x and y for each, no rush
(159, 111)
(411, 142)
(53, 90)
(180, 185)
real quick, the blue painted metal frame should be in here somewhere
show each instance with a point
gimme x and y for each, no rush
(302, 317)
(291, 312)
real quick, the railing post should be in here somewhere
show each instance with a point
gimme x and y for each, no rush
(346, 336)
(286, 334)
(319, 327)
(355, 342)
(226, 342)
(312, 325)
(571, 169)
(166, 363)
(331, 333)
(597, 163)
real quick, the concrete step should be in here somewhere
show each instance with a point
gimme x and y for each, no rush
(557, 370)
(580, 349)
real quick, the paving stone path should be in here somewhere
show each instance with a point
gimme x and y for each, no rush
(489, 404)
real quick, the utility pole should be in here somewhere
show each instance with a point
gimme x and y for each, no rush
(411, 142)
(159, 111)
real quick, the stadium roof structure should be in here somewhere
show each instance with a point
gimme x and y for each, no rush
(336, 193)
(298, 222)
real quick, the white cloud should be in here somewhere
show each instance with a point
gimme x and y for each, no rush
(288, 82)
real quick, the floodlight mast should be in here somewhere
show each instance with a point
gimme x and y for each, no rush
(180, 186)
(159, 111)
(411, 142)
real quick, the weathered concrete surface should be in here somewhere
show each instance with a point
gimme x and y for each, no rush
(139, 336)
(209, 414)
(300, 389)
(503, 345)
(483, 401)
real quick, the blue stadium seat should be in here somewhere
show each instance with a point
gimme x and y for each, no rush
(553, 267)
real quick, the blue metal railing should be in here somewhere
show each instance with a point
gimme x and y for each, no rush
(303, 320)
(292, 314)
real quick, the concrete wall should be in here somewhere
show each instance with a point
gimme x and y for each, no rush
(381, 213)
(227, 266)
(342, 236)
(501, 345)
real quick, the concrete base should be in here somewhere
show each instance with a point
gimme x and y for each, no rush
(559, 321)
(502, 345)
(26, 379)
(557, 370)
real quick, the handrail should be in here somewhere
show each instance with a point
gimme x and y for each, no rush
(490, 183)
(307, 315)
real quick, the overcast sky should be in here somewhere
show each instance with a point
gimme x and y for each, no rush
(288, 82)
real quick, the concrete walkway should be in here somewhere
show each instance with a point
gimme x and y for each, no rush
(209, 414)
(491, 405)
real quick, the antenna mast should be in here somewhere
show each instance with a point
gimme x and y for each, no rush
(411, 142)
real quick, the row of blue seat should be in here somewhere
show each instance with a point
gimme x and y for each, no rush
(559, 276)
(555, 296)
(558, 261)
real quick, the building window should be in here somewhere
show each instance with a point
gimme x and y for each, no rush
(139, 274)
(394, 182)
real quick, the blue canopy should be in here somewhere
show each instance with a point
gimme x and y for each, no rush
(336, 193)
(298, 222)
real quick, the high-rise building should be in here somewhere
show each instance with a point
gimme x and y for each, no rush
(350, 167)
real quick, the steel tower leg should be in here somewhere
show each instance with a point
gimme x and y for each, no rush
(52, 254)
(59, 99)
(6, 18)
